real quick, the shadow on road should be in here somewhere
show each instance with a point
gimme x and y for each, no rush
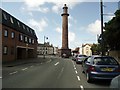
(102, 82)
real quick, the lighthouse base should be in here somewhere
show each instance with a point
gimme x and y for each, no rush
(65, 53)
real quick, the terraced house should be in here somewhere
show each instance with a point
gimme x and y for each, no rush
(17, 40)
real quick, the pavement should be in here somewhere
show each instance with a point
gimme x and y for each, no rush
(24, 61)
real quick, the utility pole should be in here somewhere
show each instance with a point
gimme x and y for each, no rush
(102, 42)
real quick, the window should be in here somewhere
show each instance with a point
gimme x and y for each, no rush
(11, 20)
(26, 39)
(27, 29)
(23, 27)
(6, 33)
(5, 50)
(104, 61)
(20, 37)
(89, 59)
(33, 41)
(4, 16)
(12, 35)
(18, 23)
(30, 31)
(29, 40)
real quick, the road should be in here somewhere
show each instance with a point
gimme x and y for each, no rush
(53, 73)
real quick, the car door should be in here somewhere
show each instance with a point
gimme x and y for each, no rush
(87, 64)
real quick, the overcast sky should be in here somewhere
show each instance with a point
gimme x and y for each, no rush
(44, 16)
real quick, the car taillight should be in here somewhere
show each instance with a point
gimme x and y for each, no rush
(91, 68)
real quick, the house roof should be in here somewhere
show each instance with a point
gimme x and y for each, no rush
(12, 22)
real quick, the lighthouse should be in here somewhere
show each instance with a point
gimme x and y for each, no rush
(65, 51)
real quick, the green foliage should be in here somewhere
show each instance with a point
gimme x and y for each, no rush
(112, 32)
(95, 49)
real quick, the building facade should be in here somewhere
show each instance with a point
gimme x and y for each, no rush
(19, 41)
(46, 49)
(86, 49)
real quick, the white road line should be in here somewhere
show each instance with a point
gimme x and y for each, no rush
(56, 64)
(74, 67)
(81, 87)
(0, 77)
(76, 72)
(24, 69)
(13, 73)
(78, 78)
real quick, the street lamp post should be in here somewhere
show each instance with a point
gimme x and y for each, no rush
(44, 46)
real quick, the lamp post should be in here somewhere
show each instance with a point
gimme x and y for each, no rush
(44, 46)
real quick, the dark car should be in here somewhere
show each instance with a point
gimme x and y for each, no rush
(101, 67)
(115, 83)
(80, 59)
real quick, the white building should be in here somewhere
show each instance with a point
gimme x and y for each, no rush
(86, 49)
(46, 49)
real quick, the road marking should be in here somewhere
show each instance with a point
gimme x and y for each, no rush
(49, 61)
(24, 69)
(0, 77)
(60, 73)
(56, 64)
(78, 78)
(76, 72)
(81, 87)
(13, 73)
(74, 67)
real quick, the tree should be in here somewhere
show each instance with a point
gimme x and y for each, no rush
(112, 32)
(96, 49)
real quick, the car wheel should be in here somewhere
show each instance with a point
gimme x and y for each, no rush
(88, 78)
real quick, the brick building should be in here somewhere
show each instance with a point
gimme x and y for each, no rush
(17, 40)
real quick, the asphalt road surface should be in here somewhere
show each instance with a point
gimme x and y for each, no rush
(53, 73)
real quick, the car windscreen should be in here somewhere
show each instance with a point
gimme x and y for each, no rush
(105, 61)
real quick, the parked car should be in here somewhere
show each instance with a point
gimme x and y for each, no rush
(100, 67)
(80, 59)
(115, 83)
(74, 57)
